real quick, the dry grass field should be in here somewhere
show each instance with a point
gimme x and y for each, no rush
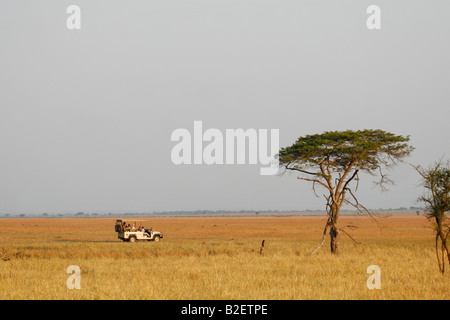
(218, 258)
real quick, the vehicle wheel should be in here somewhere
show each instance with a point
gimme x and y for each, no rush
(157, 238)
(132, 239)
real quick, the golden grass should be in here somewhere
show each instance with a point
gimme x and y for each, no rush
(218, 258)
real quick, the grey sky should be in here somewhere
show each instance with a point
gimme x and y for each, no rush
(86, 115)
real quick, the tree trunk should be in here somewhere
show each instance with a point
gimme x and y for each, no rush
(334, 230)
(437, 254)
(334, 235)
(444, 238)
(440, 235)
(444, 248)
(448, 251)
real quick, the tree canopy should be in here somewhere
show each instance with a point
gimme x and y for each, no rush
(367, 150)
(436, 180)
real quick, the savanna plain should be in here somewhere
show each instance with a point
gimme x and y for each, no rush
(219, 258)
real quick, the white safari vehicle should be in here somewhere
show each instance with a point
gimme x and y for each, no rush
(126, 233)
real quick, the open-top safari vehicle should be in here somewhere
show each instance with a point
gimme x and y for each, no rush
(134, 232)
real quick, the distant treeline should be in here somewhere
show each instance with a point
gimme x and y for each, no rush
(196, 212)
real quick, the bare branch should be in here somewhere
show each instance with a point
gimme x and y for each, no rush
(354, 241)
(323, 237)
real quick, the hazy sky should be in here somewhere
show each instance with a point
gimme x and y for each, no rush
(86, 115)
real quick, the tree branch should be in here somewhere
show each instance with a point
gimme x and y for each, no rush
(323, 236)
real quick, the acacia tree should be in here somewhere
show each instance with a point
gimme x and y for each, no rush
(436, 180)
(333, 160)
